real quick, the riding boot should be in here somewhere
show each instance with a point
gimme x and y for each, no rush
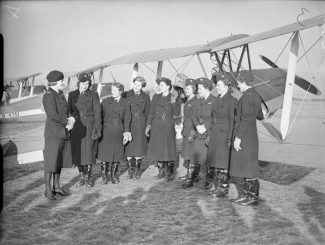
(108, 171)
(131, 163)
(251, 189)
(192, 172)
(137, 172)
(115, 173)
(197, 171)
(88, 181)
(221, 183)
(81, 181)
(170, 170)
(187, 166)
(239, 184)
(209, 177)
(161, 168)
(103, 171)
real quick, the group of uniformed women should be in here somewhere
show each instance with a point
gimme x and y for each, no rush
(121, 125)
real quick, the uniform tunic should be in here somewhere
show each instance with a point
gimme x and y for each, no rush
(221, 133)
(116, 121)
(140, 105)
(244, 163)
(57, 152)
(85, 108)
(188, 128)
(202, 115)
(162, 143)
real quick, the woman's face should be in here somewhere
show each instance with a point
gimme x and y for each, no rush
(137, 86)
(115, 92)
(221, 87)
(83, 86)
(163, 87)
(189, 91)
(60, 85)
(241, 86)
(202, 91)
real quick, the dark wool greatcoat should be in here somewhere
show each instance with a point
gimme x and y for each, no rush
(222, 130)
(57, 152)
(116, 121)
(188, 128)
(162, 143)
(202, 115)
(244, 163)
(85, 108)
(140, 105)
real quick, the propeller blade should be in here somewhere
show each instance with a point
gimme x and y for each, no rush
(268, 61)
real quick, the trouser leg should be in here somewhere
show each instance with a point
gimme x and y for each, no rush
(48, 191)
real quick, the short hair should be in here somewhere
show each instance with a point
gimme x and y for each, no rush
(120, 86)
(140, 79)
(167, 81)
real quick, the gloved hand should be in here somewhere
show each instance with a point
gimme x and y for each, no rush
(70, 124)
(125, 138)
(147, 130)
(130, 136)
(237, 144)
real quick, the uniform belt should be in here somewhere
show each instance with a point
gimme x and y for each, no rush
(220, 120)
(160, 116)
(86, 115)
(138, 114)
(112, 121)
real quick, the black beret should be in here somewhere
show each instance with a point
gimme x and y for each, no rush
(84, 77)
(205, 82)
(190, 81)
(53, 77)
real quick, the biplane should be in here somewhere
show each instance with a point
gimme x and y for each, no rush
(274, 84)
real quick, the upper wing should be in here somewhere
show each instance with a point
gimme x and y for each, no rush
(308, 23)
(22, 78)
(88, 70)
(171, 53)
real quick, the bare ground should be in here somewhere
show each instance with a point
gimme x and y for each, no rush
(152, 211)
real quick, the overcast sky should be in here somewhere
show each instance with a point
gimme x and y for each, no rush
(74, 35)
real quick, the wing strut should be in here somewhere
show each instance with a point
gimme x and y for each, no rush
(32, 87)
(100, 86)
(288, 92)
(201, 64)
(159, 69)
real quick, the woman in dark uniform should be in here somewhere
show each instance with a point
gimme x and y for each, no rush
(220, 138)
(84, 105)
(160, 123)
(188, 130)
(116, 133)
(137, 148)
(57, 124)
(244, 168)
(202, 121)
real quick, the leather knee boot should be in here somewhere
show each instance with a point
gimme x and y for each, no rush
(239, 184)
(209, 178)
(251, 189)
(170, 171)
(192, 172)
(88, 180)
(104, 172)
(161, 169)
(137, 172)
(115, 173)
(131, 166)
(81, 181)
(221, 183)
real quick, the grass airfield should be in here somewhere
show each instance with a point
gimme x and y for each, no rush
(152, 211)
